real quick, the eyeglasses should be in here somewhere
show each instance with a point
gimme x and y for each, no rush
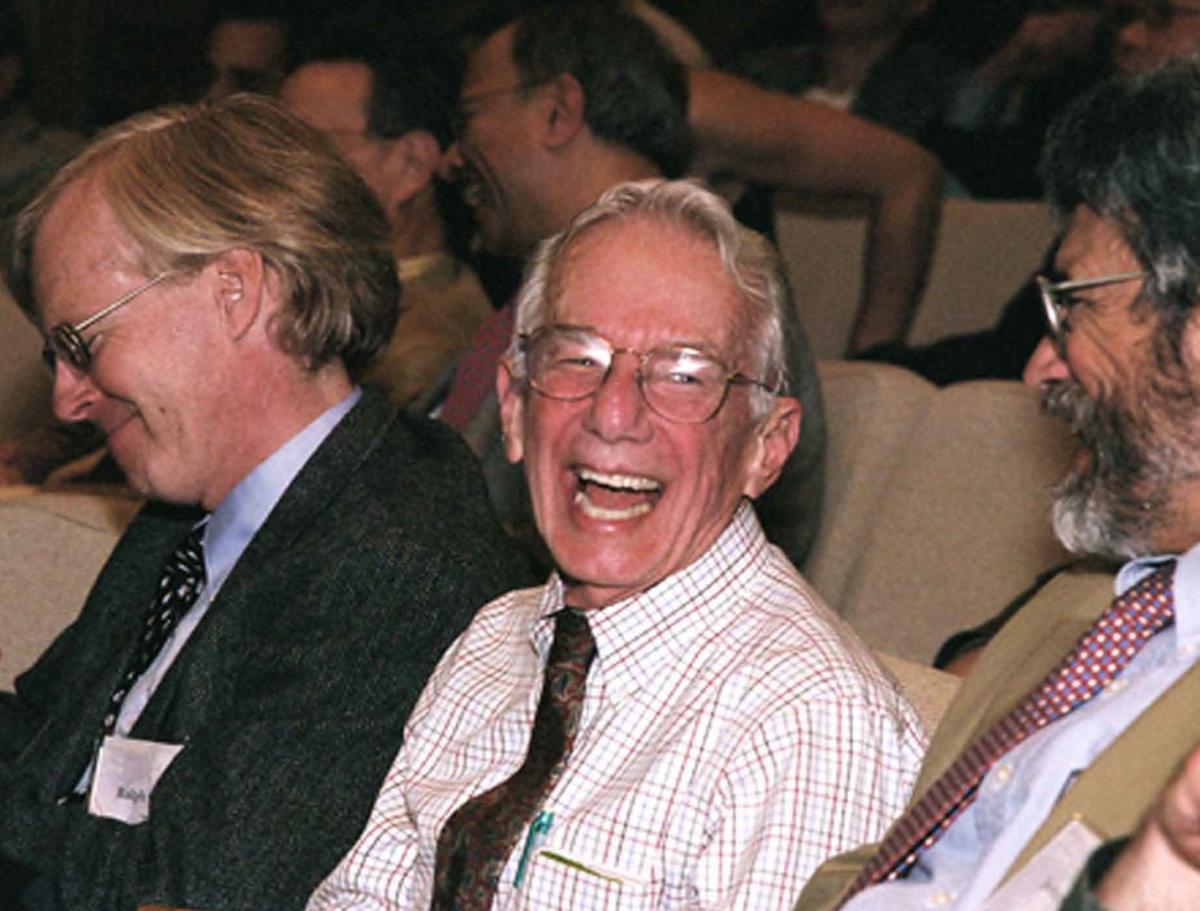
(66, 341)
(462, 113)
(1057, 303)
(678, 382)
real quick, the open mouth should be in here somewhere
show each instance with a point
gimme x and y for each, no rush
(472, 186)
(615, 497)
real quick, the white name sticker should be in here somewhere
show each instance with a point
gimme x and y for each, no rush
(126, 772)
(1043, 883)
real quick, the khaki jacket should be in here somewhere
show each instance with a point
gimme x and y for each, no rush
(1114, 792)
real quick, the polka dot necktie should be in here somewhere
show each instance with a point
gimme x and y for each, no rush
(180, 585)
(478, 838)
(1101, 653)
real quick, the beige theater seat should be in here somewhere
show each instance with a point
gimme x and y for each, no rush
(24, 383)
(984, 252)
(964, 523)
(871, 409)
(929, 690)
(52, 546)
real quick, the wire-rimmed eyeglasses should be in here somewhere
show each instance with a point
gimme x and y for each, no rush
(681, 383)
(467, 106)
(66, 341)
(1057, 306)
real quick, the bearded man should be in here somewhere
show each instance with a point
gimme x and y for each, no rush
(1078, 713)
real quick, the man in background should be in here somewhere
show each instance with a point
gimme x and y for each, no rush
(384, 101)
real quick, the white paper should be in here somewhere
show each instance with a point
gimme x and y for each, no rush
(1043, 883)
(126, 772)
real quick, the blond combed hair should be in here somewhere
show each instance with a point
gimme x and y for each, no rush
(188, 182)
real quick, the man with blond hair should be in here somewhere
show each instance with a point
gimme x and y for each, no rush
(209, 732)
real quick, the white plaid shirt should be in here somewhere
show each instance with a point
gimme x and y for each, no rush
(734, 734)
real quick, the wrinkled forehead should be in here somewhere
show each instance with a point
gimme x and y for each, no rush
(1093, 244)
(649, 276)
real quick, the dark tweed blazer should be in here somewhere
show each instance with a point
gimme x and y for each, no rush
(291, 695)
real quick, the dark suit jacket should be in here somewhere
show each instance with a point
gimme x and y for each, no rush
(290, 696)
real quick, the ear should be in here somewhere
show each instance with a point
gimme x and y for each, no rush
(774, 439)
(1189, 344)
(240, 289)
(413, 160)
(511, 393)
(565, 110)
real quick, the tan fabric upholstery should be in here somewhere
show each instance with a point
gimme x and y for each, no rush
(871, 411)
(964, 524)
(929, 690)
(822, 249)
(25, 401)
(52, 545)
(985, 251)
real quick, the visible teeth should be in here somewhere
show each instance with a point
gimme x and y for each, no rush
(472, 194)
(593, 511)
(618, 481)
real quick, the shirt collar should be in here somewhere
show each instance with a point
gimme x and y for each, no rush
(637, 636)
(245, 508)
(1186, 586)
(432, 267)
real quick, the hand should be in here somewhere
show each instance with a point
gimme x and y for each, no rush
(1160, 868)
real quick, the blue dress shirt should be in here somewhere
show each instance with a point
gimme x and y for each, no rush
(230, 527)
(1020, 791)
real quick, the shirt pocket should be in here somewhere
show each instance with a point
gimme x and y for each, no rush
(560, 879)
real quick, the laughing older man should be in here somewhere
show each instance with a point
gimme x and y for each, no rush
(674, 720)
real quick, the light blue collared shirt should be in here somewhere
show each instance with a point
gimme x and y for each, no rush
(1019, 792)
(229, 529)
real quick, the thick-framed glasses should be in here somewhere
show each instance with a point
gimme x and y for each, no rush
(1056, 301)
(468, 105)
(681, 383)
(66, 341)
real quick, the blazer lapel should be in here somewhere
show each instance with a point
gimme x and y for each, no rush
(1113, 793)
(1030, 646)
(214, 650)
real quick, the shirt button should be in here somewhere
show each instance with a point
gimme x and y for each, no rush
(1003, 774)
(940, 898)
(1116, 686)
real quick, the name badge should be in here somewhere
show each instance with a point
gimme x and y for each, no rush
(1043, 883)
(126, 772)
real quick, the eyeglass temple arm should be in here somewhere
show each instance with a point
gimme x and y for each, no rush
(1083, 283)
(120, 302)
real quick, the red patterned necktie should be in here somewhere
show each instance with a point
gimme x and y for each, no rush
(479, 836)
(1101, 653)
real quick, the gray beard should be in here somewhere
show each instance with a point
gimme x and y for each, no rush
(1112, 506)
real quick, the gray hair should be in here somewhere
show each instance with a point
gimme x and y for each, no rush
(750, 261)
(1129, 150)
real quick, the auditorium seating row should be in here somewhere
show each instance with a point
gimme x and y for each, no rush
(985, 252)
(936, 515)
